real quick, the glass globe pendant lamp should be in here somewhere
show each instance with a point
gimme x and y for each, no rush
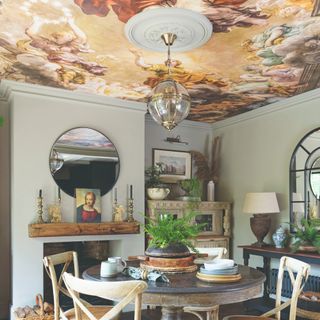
(169, 102)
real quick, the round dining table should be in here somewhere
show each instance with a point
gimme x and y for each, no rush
(185, 289)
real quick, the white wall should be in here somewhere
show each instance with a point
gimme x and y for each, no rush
(38, 116)
(256, 151)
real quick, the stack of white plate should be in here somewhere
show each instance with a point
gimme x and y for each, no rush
(219, 270)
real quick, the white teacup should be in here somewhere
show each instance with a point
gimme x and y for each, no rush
(108, 268)
(121, 264)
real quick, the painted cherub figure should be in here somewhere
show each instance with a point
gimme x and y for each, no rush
(63, 47)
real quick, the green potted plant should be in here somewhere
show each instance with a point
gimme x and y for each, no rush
(307, 236)
(156, 190)
(171, 236)
(192, 188)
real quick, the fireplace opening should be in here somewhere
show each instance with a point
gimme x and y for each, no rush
(89, 253)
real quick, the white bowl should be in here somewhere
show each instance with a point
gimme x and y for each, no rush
(218, 264)
(158, 193)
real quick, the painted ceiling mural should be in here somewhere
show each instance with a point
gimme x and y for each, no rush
(261, 51)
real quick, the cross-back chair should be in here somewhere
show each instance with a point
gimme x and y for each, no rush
(291, 265)
(123, 292)
(208, 312)
(64, 260)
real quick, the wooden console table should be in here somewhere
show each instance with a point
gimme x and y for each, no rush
(271, 252)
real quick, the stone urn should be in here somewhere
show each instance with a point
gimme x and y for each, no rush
(158, 193)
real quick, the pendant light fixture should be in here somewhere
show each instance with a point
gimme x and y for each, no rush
(162, 30)
(169, 102)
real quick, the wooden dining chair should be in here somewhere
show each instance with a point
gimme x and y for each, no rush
(63, 261)
(123, 292)
(291, 265)
(208, 312)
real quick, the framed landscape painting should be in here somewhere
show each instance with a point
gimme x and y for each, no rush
(177, 164)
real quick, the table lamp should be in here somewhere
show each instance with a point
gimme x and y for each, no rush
(260, 204)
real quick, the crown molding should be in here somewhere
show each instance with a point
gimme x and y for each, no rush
(292, 102)
(7, 87)
(184, 124)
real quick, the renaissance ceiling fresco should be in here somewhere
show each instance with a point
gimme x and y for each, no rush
(261, 51)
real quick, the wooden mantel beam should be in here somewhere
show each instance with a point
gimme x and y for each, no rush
(77, 229)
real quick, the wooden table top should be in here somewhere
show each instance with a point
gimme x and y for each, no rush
(184, 283)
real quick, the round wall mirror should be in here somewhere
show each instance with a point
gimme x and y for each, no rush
(84, 158)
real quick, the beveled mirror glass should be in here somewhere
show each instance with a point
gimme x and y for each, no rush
(315, 178)
(305, 177)
(84, 158)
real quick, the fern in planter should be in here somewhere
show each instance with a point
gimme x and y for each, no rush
(308, 234)
(166, 230)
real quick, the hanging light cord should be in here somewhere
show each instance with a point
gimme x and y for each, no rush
(168, 62)
(168, 39)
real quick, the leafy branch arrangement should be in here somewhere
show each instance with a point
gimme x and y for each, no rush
(192, 187)
(306, 234)
(165, 229)
(153, 174)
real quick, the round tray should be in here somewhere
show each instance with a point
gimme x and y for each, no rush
(219, 278)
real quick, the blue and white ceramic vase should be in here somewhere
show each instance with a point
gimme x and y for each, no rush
(279, 237)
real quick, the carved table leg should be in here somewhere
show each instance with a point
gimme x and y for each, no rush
(171, 313)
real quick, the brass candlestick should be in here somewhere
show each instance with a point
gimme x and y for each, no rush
(40, 211)
(130, 210)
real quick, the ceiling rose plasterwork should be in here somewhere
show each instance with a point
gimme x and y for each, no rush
(261, 51)
(145, 29)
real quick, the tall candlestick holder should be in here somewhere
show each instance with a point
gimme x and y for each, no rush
(130, 210)
(40, 210)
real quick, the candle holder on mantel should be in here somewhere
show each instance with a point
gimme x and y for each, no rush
(130, 211)
(40, 206)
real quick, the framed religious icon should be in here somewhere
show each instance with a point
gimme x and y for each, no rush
(88, 204)
(176, 164)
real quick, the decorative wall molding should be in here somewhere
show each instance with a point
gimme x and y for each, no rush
(7, 87)
(292, 102)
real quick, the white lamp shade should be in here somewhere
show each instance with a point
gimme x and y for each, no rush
(261, 202)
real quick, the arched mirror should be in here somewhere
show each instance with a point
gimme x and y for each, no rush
(315, 178)
(305, 178)
(84, 158)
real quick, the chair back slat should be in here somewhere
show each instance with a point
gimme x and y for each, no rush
(124, 292)
(219, 252)
(292, 266)
(64, 260)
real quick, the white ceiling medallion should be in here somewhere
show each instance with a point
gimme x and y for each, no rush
(191, 28)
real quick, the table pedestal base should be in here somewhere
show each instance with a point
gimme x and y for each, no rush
(171, 313)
